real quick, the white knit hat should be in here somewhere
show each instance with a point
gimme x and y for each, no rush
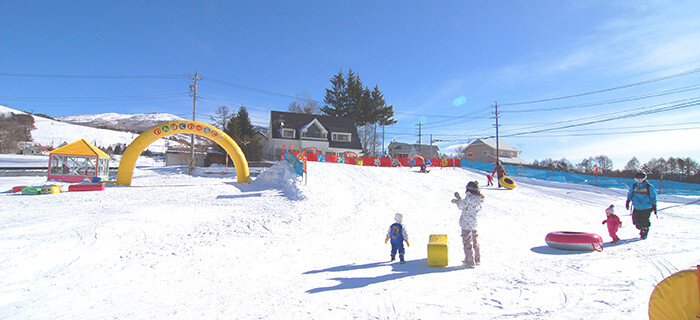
(610, 209)
(398, 217)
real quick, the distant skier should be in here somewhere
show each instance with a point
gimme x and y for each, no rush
(423, 168)
(489, 180)
(397, 233)
(470, 206)
(498, 170)
(643, 197)
(613, 222)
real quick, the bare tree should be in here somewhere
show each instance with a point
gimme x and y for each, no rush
(220, 118)
(604, 163)
(15, 128)
(304, 104)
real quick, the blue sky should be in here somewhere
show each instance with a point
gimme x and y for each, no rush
(629, 68)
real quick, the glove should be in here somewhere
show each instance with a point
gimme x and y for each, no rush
(387, 239)
(653, 207)
(408, 244)
(603, 222)
(627, 204)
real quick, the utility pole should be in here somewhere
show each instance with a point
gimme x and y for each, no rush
(193, 91)
(420, 133)
(497, 143)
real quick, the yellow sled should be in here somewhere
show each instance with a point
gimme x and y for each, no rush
(676, 297)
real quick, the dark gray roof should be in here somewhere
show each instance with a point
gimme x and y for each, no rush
(333, 124)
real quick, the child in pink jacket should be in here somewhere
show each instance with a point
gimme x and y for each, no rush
(613, 222)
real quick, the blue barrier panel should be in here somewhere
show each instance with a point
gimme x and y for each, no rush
(668, 187)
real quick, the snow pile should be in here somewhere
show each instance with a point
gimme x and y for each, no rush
(283, 177)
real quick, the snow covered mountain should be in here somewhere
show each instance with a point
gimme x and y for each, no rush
(137, 122)
(52, 133)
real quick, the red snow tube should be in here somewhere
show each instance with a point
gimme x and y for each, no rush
(570, 240)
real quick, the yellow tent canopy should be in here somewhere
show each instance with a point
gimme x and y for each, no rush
(80, 148)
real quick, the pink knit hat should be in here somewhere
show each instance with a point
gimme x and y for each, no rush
(610, 209)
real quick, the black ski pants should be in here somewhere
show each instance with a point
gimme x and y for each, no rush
(640, 218)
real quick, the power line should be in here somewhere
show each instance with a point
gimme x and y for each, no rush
(76, 99)
(613, 113)
(240, 86)
(614, 133)
(114, 77)
(675, 75)
(612, 101)
(627, 116)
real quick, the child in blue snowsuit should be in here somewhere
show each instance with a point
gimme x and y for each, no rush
(397, 234)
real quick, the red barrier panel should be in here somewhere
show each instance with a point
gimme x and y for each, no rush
(367, 162)
(403, 161)
(86, 187)
(332, 159)
(311, 157)
(350, 160)
(17, 189)
(385, 162)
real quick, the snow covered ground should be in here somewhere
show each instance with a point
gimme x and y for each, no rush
(174, 246)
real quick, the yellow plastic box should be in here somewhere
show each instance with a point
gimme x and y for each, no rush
(437, 250)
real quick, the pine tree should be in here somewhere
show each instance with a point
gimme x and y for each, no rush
(368, 109)
(241, 130)
(336, 98)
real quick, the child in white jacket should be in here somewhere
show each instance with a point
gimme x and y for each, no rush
(470, 206)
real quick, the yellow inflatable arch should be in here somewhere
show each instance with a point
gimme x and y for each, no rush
(126, 165)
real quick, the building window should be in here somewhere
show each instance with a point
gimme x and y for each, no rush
(341, 137)
(313, 132)
(288, 133)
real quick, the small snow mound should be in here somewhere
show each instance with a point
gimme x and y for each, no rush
(281, 176)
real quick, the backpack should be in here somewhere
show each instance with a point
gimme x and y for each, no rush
(396, 232)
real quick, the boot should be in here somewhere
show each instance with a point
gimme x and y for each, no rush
(644, 233)
(401, 258)
(393, 258)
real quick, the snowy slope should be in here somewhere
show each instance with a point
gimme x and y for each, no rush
(52, 133)
(179, 247)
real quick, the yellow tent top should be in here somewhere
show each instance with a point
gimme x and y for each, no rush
(81, 148)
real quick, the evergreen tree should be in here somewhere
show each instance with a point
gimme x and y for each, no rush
(336, 98)
(241, 130)
(368, 109)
